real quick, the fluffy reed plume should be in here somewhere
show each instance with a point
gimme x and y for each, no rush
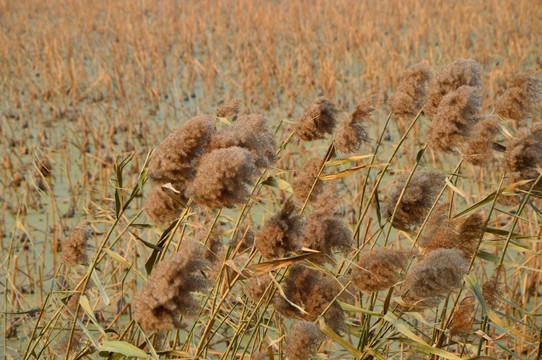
(306, 179)
(522, 157)
(418, 198)
(461, 324)
(378, 269)
(478, 150)
(352, 132)
(407, 100)
(451, 77)
(229, 109)
(317, 120)
(313, 292)
(175, 157)
(280, 234)
(437, 274)
(222, 176)
(256, 286)
(167, 292)
(461, 233)
(324, 231)
(492, 289)
(160, 207)
(74, 248)
(303, 341)
(252, 133)
(455, 119)
(522, 94)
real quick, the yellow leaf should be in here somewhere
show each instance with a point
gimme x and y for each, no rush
(267, 266)
(345, 173)
(339, 340)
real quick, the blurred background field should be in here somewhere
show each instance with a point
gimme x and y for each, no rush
(84, 82)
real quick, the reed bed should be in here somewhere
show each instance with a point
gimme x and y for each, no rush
(270, 179)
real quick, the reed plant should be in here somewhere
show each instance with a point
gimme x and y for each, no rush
(174, 188)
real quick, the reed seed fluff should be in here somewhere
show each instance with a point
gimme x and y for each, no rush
(221, 178)
(317, 121)
(74, 247)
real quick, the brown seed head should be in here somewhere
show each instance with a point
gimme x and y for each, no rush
(167, 292)
(462, 233)
(312, 291)
(160, 207)
(461, 324)
(522, 157)
(256, 286)
(492, 289)
(230, 108)
(303, 341)
(419, 196)
(74, 250)
(407, 100)
(175, 158)
(222, 176)
(280, 234)
(252, 133)
(304, 181)
(212, 243)
(378, 269)
(324, 231)
(479, 148)
(437, 274)
(451, 77)
(352, 132)
(455, 119)
(519, 100)
(317, 120)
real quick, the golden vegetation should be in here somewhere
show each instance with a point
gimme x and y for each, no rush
(319, 200)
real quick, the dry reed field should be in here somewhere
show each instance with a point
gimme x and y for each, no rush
(271, 179)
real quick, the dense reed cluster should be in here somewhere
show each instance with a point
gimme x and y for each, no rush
(409, 203)
(356, 226)
(167, 292)
(213, 168)
(307, 293)
(311, 264)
